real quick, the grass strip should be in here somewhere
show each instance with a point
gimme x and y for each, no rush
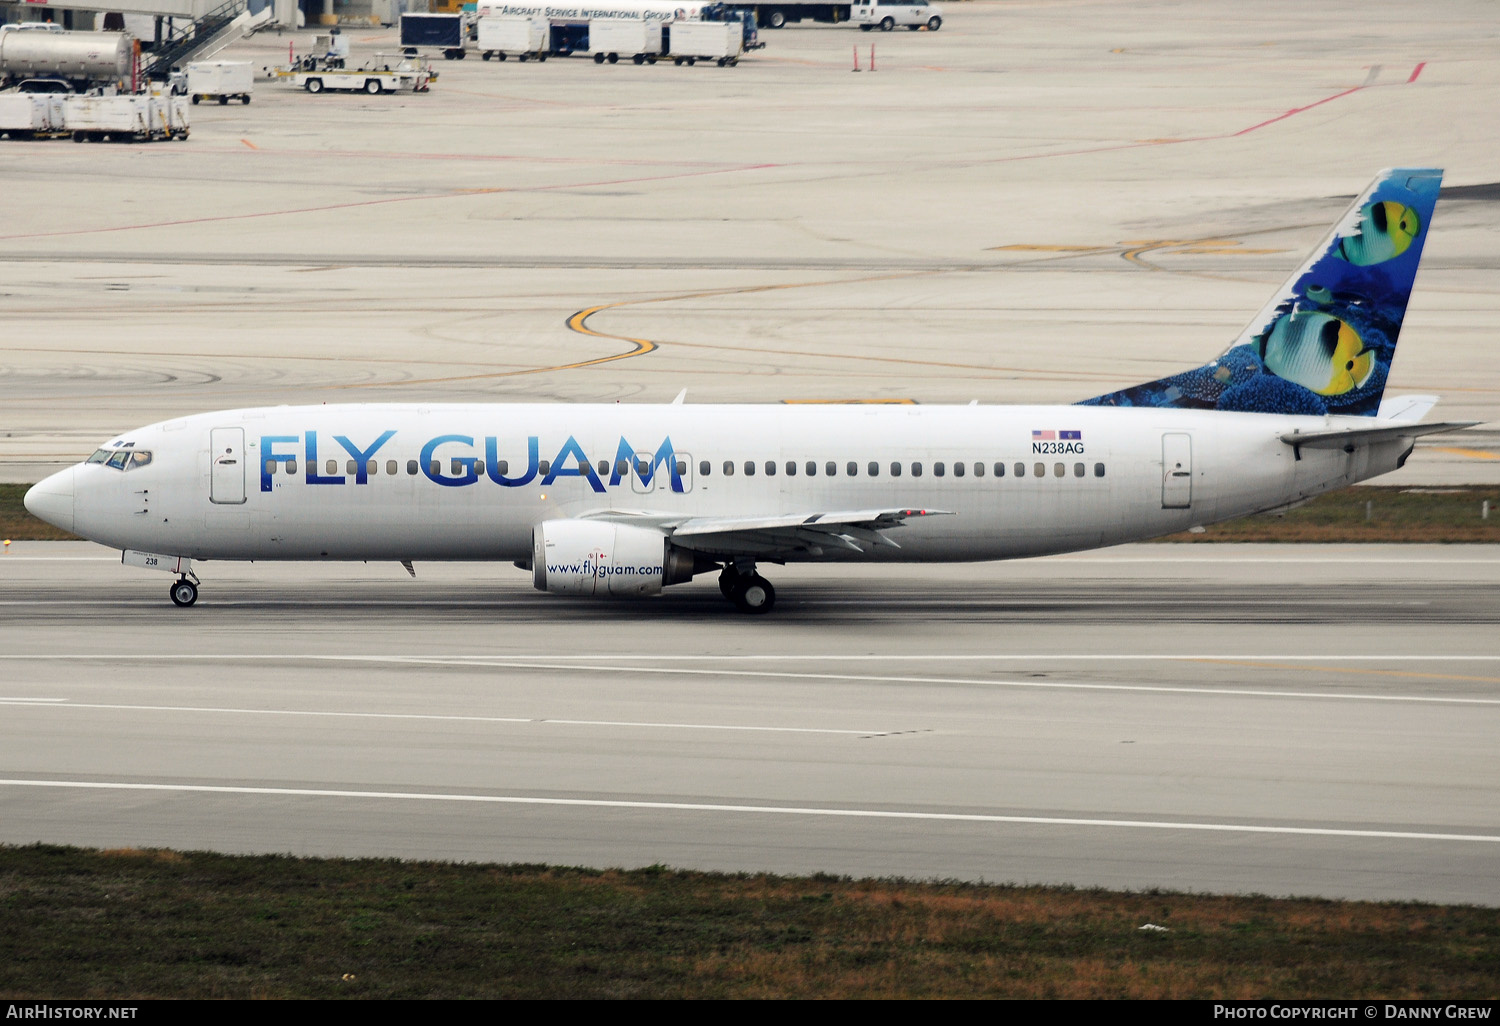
(17, 524)
(162, 924)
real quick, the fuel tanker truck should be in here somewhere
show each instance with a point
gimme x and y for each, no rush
(79, 58)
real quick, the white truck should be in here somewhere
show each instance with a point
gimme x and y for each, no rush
(691, 41)
(887, 14)
(635, 38)
(220, 80)
(383, 73)
(521, 37)
(31, 115)
(127, 117)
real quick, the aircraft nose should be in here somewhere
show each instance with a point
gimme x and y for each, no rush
(52, 499)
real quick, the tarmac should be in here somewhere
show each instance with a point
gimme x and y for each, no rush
(1042, 202)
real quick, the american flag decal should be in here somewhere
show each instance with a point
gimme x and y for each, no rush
(1044, 436)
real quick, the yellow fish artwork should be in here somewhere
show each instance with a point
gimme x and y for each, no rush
(1386, 230)
(1317, 351)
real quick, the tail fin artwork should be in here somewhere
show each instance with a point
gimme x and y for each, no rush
(1324, 343)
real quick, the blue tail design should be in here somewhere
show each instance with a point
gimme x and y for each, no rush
(1324, 344)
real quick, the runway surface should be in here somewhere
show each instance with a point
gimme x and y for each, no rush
(1044, 201)
(1313, 720)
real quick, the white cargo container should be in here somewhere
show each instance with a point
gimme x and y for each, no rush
(220, 80)
(692, 41)
(169, 117)
(28, 115)
(634, 38)
(107, 117)
(521, 38)
(126, 118)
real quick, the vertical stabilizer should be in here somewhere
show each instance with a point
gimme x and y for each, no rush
(1324, 343)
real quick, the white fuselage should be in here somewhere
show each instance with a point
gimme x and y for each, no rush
(312, 482)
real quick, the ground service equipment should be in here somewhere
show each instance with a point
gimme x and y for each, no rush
(220, 80)
(518, 37)
(79, 57)
(635, 39)
(140, 117)
(30, 115)
(445, 31)
(691, 41)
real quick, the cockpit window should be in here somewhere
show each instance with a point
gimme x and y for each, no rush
(121, 459)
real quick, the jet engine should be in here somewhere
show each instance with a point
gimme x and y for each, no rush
(596, 557)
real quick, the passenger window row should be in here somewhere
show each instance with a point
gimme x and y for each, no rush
(705, 468)
(896, 469)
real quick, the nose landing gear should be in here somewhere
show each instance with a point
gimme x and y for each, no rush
(747, 589)
(184, 592)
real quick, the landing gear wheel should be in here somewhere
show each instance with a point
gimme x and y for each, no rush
(754, 594)
(184, 592)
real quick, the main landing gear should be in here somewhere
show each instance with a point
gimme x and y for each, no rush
(747, 589)
(184, 592)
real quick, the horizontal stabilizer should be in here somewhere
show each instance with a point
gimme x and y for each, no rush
(1369, 436)
(1405, 409)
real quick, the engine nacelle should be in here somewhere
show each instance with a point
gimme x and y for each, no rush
(595, 557)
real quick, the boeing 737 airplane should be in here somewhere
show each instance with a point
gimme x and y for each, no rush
(623, 500)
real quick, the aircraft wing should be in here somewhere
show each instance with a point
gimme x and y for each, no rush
(779, 535)
(1347, 438)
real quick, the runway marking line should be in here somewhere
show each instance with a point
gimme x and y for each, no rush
(121, 707)
(766, 657)
(770, 810)
(544, 663)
